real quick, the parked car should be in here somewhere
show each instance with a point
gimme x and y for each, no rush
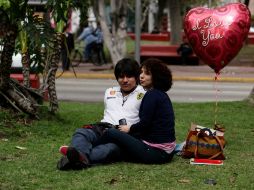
(16, 70)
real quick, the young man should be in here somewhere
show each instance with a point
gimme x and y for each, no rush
(121, 102)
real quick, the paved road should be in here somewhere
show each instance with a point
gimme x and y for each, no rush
(92, 90)
(194, 91)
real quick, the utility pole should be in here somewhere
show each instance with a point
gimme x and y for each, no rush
(209, 3)
(137, 30)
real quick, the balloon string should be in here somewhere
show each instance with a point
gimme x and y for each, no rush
(216, 78)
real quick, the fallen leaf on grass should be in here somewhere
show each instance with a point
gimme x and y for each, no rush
(232, 179)
(183, 181)
(6, 158)
(111, 182)
(3, 158)
(20, 147)
(210, 181)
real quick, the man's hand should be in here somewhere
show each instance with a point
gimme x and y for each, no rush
(124, 128)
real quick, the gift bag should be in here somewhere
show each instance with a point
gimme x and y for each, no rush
(203, 142)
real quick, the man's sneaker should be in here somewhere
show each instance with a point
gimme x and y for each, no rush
(77, 160)
(63, 150)
(64, 164)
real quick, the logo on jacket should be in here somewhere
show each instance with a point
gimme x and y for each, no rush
(112, 92)
(140, 96)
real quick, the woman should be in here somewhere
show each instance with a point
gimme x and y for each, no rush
(152, 139)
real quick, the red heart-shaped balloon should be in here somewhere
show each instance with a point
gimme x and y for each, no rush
(217, 35)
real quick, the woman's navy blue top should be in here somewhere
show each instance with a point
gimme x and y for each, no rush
(157, 120)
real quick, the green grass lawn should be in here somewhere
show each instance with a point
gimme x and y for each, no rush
(35, 167)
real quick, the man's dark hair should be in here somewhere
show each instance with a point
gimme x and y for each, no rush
(127, 67)
(161, 74)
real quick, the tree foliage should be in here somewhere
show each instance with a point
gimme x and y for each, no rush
(32, 36)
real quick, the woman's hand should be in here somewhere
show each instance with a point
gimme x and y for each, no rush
(124, 128)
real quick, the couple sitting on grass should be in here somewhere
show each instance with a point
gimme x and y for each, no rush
(148, 136)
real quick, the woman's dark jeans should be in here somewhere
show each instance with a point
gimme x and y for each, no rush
(135, 150)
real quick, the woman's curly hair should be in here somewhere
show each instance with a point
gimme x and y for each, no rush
(161, 74)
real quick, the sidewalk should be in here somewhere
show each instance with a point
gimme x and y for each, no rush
(194, 73)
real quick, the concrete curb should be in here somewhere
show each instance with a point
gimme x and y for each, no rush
(177, 78)
(86, 75)
(222, 79)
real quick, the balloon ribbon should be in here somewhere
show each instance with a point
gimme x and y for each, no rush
(216, 78)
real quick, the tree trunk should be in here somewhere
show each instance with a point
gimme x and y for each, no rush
(25, 58)
(6, 57)
(145, 14)
(23, 100)
(52, 72)
(251, 96)
(175, 21)
(11, 91)
(44, 63)
(121, 27)
(247, 2)
(115, 41)
(26, 69)
(161, 6)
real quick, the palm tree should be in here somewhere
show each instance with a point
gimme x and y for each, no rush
(17, 23)
(59, 11)
(12, 12)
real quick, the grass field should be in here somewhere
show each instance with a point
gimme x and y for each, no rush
(29, 152)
